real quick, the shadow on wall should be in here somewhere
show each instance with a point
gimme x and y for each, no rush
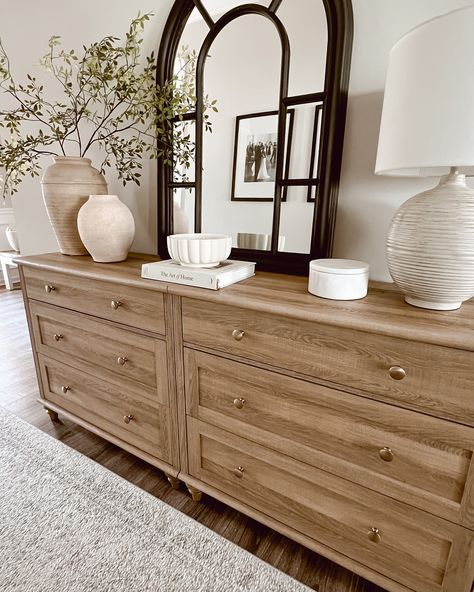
(367, 202)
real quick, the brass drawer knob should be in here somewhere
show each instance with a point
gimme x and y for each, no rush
(238, 334)
(239, 403)
(65, 389)
(121, 360)
(57, 336)
(48, 288)
(374, 535)
(386, 454)
(239, 472)
(128, 418)
(115, 304)
(397, 372)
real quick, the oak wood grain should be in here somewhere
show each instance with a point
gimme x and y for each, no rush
(338, 432)
(414, 546)
(126, 272)
(383, 311)
(88, 339)
(106, 405)
(135, 307)
(341, 356)
(18, 392)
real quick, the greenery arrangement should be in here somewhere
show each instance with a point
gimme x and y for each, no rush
(109, 99)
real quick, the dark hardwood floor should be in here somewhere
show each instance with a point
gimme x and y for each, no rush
(18, 392)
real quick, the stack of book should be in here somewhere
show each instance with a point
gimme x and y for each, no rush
(227, 273)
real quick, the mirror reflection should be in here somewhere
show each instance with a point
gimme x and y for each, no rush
(239, 157)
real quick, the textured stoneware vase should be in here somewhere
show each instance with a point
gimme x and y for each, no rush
(66, 186)
(106, 227)
(430, 246)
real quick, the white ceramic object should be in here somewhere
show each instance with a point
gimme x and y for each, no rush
(106, 227)
(199, 250)
(12, 238)
(430, 246)
(338, 279)
(66, 186)
(258, 242)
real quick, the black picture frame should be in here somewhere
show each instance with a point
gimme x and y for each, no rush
(288, 141)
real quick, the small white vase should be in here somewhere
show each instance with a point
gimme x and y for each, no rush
(106, 228)
(12, 237)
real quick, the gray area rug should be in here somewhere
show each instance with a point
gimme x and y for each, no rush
(70, 525)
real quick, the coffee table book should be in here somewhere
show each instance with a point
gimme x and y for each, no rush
(227, 273)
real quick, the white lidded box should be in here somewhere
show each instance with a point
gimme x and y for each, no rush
(338, 279)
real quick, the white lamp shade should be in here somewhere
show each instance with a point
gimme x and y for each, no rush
(428, 112)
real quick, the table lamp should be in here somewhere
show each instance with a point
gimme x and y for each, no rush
(427, 129)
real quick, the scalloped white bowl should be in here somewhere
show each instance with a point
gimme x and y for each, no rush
(199, 250)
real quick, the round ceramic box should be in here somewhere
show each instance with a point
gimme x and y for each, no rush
(338, 279)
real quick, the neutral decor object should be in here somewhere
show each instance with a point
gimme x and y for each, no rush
(347, 426)
(66, 186)
(427, 129)
(70, 524)
(12, 237)
(199, 249)
(227, 273)
(255, 156)
(338, 279)
(106, 227)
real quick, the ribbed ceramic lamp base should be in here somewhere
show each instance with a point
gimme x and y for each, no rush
(432, 305)
(430, 246)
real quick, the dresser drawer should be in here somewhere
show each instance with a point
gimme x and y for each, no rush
(136, 307)
(413, 547)
(124, 409)
(128, 354)
(424, 377)
(418, 459)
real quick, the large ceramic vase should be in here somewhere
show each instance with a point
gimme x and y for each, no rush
(66, 186)
(106, 227)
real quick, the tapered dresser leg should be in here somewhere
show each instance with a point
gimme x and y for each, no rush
(53, 416)
(195, 493)
(174, 481)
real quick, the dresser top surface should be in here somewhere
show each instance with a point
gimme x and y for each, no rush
(382, 311)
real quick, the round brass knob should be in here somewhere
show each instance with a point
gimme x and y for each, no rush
(238, 334)
(397, 372)
(239, 472)
(239, 403)
(65, 389)
(121, 360)
(49, 288)
(374, 535)
(386, 454)
(115, 304)
(57, 336)
(128, 418)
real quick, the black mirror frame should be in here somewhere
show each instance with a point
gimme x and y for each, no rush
(339, 49)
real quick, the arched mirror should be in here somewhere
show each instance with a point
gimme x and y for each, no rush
(267, 171)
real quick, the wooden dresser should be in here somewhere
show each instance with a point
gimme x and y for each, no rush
(347, 426)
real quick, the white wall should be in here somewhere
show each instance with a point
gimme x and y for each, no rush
(25, 28)
(366, 202)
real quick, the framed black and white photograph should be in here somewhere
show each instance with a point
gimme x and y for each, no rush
(255, 156)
